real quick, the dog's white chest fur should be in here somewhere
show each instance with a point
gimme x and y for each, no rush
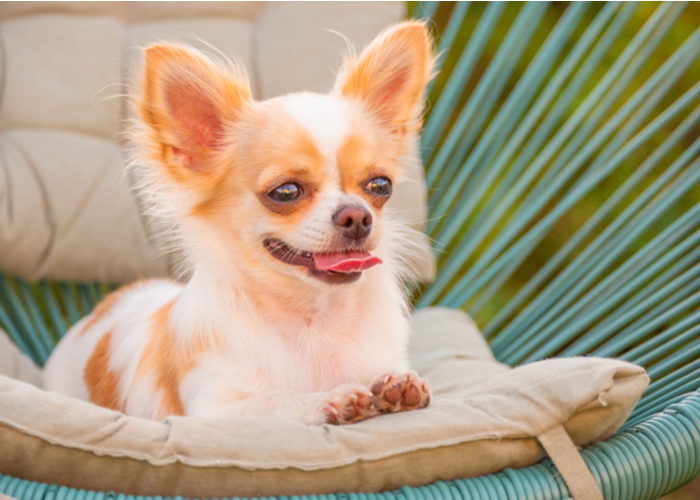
(304, 344)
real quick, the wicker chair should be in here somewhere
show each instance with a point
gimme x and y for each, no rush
(590, 120)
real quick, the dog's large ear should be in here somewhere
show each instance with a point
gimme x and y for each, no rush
(186, 103)
(391, 75)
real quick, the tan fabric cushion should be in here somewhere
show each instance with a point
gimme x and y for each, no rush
(297, 49)
(486, 422)
(15, 364)
(63, 72)
(158, 11)
(11, 10)
(68, 214)
(232, 37)
(134, 11)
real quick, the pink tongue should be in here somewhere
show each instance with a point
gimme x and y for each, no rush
(346, 262)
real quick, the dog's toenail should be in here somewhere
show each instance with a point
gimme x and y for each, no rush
(332, 415)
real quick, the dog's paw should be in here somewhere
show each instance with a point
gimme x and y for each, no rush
(345, 404)
(400, 392)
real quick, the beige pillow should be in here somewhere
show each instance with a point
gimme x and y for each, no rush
(15, 364)
(70, 216)
(484, 417)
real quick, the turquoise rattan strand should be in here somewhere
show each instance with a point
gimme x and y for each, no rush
(641, 463)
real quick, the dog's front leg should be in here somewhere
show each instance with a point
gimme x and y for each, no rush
(345, 404)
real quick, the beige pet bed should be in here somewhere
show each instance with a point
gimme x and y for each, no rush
(484, 417)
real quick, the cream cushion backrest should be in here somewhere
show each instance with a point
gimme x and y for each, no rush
(67, 211)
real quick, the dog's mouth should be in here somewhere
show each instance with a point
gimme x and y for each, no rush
(330, 267)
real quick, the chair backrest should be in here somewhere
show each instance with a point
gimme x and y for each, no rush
(66, 71)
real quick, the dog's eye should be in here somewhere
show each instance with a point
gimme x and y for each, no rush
(286, 192)
(380, 186)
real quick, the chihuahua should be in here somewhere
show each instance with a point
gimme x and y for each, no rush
(295, 307)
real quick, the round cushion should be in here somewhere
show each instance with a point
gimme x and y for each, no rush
(484, 417)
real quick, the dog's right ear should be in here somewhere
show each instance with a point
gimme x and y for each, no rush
(186, 104)
(391, 75)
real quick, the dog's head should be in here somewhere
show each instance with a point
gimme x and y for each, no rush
(295, 185)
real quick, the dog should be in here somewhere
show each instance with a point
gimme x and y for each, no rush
(295, 307)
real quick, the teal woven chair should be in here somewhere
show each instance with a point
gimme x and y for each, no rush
(562, 159)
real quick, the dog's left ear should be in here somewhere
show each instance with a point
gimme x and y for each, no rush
(391, 75)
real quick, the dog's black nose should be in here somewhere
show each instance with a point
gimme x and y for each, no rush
(355, 222)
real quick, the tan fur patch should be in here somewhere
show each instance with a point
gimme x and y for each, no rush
(282, 152)
(358, 163)
(102, 384)
(103, 307)
(167, 361)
